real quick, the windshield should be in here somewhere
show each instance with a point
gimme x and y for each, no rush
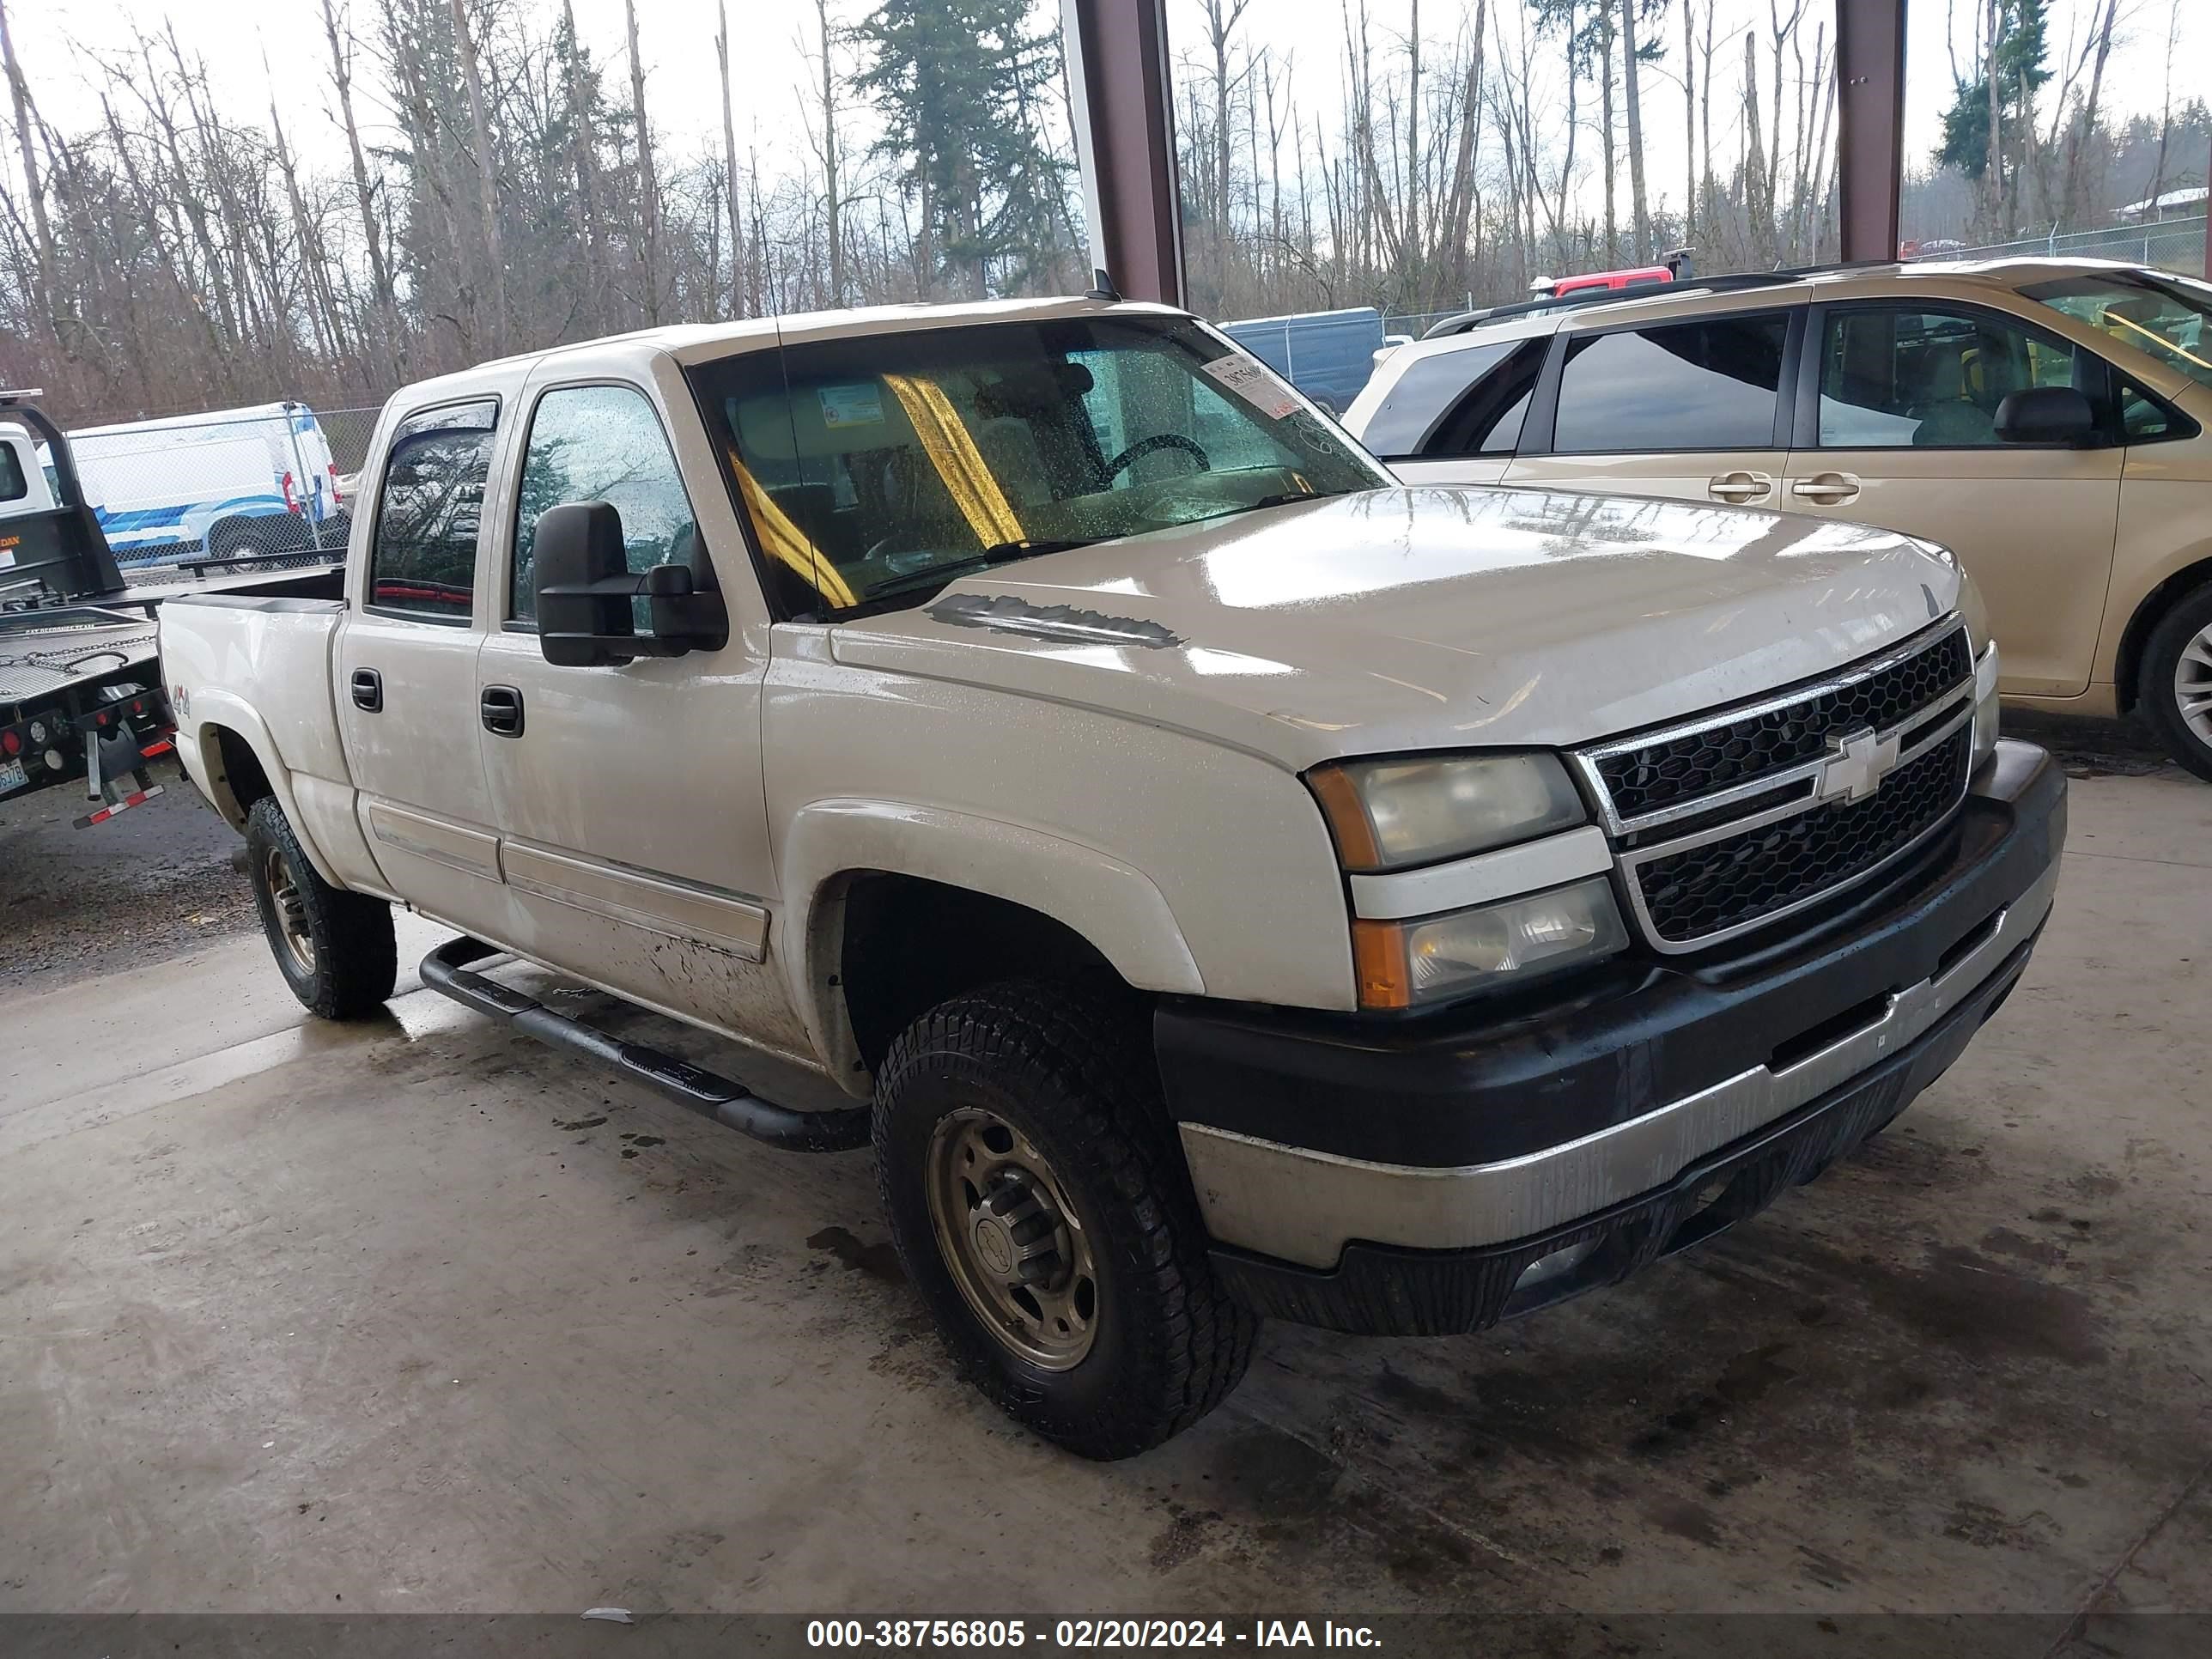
(2169, 319)
(875, 469)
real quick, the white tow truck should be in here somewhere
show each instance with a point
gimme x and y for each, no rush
(1223, 881)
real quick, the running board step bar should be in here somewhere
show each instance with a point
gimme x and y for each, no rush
(728, 1103)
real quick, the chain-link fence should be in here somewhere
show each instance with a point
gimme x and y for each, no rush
(2165, 244)
(238, 486)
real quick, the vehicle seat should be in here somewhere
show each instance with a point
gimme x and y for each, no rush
(1947, 419)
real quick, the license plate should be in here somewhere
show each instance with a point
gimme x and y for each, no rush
(12, 776)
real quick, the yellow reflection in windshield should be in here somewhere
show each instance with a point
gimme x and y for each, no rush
(785, 542)
(952, 452)
(2112, 315)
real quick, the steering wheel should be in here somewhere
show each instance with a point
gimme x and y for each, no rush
(1159, 440)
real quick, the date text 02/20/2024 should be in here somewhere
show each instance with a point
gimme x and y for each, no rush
(1007, 1634)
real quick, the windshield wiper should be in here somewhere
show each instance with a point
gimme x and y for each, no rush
(997, 553)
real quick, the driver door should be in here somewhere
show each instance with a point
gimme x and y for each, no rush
(632, 827)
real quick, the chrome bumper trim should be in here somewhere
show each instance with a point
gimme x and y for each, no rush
(1303, 1207)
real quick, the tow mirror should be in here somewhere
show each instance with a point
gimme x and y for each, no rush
(587, 610)
(2046, 415)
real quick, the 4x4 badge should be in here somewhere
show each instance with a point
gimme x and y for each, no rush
(1858, 763)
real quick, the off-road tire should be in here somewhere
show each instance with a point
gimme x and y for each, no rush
(1071, 1069)
(2190, 616)
(356, 959)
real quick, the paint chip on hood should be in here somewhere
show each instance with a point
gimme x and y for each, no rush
(1004, 613)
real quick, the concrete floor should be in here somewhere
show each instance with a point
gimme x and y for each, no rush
(420, 1315)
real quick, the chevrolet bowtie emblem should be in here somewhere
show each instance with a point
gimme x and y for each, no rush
(1857, 762)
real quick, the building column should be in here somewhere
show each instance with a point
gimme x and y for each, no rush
(1117, 67)
(1870, 127)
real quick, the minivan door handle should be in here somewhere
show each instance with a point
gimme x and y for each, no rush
(500, 705)
(368, 687)
(1739, 487)
(1826, 487)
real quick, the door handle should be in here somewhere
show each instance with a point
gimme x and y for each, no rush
(500, 705)
(1739, 487)
(1829, 488)
(369, 690)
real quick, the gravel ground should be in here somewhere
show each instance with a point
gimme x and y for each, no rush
(152, 884)
(158, 881)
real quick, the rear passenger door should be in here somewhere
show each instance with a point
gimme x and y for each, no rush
(406, 670)
(1691, 410)
(1456, 416)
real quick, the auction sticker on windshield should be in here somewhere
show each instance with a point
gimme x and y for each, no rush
(1251, 381)
(851, 405)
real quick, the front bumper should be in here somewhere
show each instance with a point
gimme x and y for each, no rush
(1403, 1179)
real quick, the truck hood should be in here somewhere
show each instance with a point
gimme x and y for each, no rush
(1425, 617)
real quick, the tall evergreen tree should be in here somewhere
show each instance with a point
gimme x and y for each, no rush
(2019, 62)
(959, 84)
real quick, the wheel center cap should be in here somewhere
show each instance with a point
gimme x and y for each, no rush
(994, 1245)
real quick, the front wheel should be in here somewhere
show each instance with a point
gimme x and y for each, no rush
(2175, 691)
(1039, 1203)
(335, 949)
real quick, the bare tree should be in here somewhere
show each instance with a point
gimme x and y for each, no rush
(1634, 115)
(738, 285)
(487, 168)
(648, 184)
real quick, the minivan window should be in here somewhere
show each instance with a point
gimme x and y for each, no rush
(2168, 320)
(1892, 378)
(1487, 421)
(601, 443)
(1429, 385)
(873, 471)
(1706, 384)
(423, 561)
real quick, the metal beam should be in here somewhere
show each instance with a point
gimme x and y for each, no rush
(1117, 66)
(1870, 125)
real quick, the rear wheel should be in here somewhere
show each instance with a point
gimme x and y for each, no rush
(2175, 690)
(335, 949)
(1039, 1203)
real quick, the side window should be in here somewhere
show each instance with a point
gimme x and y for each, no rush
(1429, 386)
(1709, 384)
(13, 486)
(1487, 420)
(2147, 420)
(1893, 379)
(423, 561)
(601, 443)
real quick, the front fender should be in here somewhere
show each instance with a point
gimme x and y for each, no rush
(1111, 904)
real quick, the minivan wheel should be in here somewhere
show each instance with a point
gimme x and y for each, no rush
(2175, 690)
(1039, 1203)
(335, 949)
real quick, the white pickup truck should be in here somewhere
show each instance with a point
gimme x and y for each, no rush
(1226, 883)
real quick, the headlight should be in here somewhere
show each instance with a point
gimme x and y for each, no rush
(1986, 675)
(1405, 964)
(1388, 814)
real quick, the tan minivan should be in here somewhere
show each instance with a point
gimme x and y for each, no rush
(2046, 419)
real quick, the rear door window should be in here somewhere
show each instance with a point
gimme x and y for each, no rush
(1713, 384)
(422, 559)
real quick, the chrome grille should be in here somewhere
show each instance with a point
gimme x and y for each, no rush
(1735, 820)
